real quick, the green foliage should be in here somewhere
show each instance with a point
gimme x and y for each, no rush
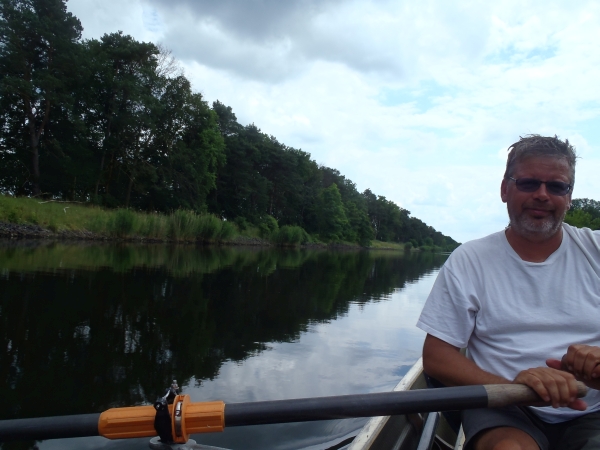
(290, 235)
(210, 228)
(579, 218)
(153, 226)
(332, 220)
(227, 231)
(267, 226)
(359, 229)
(584, 213)
(122, 223)
(13, 216)
(189, 226)
(242, 223)
(38, 63)
(181, 225)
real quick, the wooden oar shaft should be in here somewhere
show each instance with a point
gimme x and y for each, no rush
(118, 423)
(500, 395)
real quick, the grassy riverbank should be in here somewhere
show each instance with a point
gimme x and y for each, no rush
(120, 224)
(39, 218)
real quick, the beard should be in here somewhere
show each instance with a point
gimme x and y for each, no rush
(537, 229)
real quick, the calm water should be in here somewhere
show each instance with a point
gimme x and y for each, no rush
(89, 327)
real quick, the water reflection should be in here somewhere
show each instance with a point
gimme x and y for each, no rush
(89, 327)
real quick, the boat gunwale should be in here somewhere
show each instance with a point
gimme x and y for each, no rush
(369, 433)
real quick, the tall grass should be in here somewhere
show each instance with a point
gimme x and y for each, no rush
(122, 223)
(180, 225)
(153, 226)
(290, 235)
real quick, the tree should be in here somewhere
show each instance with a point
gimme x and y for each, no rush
(360, 229)
(38, 60)
(584, 212)
(122, 87)
(333, 223)
(188, 170)
(242, 189)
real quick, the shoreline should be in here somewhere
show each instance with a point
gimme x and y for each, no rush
(26, 232)
(12, 232)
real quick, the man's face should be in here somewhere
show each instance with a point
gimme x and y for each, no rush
(537, 215)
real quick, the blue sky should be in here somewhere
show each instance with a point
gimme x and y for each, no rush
(416, 100)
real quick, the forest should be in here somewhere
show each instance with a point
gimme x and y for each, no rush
(114, 122)
(584, 212)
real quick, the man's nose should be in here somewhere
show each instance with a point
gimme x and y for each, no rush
(542, 192)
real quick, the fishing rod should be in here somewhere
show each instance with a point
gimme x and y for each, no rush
(174, 417)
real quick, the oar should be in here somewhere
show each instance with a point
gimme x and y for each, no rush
(190, 418)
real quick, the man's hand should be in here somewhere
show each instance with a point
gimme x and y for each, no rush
(557, 387)
(583, 361)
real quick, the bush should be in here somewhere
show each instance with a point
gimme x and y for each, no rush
(122, 223)
(33, 218)
(242, 223)
(183, 225)
(227, 231)
(13, 216)
(208, 227)
(267, 226)
(290, 235)
(153, 226)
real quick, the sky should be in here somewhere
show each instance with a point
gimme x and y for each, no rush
(417, 100)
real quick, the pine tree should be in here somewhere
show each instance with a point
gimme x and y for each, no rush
(38, 59)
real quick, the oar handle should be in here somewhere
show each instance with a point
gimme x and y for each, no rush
(500, 395)
(191, 418)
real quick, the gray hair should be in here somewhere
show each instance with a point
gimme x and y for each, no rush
(534, 145)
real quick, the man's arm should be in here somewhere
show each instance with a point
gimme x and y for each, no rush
(445, 363)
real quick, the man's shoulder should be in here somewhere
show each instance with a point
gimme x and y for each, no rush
(584, 238)
(491, 242)
(585, 233)
(478, 252)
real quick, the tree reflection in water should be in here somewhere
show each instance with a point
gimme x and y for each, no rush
(88, 327)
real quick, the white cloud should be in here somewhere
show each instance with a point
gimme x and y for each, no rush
(412, 99)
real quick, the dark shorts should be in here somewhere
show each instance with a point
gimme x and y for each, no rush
(577, 434)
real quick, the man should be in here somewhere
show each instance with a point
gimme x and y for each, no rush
(525, 302)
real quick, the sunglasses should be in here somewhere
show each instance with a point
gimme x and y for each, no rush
(531, 185)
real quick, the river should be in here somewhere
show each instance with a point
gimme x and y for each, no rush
(89, 326)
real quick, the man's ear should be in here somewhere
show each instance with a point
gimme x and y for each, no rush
(504, 191)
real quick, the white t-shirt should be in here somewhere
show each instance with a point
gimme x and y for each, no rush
(513, 314)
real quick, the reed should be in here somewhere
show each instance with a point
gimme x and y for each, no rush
(180, 225)
(208, 227)
(290, 235)
(227, 231)
(122, 223)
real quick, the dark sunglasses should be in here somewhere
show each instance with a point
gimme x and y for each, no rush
(532, 185)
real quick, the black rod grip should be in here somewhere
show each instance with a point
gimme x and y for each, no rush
(360, 405)
(49, 427)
